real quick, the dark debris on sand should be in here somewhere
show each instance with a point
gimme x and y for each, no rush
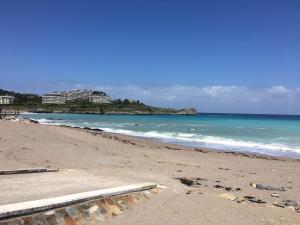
(194, 181)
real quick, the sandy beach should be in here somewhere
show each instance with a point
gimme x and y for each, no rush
(199, 182)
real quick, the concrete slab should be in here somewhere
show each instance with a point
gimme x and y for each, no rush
(31, 207)
(27, 187)
(29, 170)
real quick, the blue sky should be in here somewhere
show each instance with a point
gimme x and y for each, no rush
(218, 56)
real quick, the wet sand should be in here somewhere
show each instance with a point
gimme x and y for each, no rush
(192, 200)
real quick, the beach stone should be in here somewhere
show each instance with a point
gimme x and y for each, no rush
(279, 204)
(51, 219)
(228, 196)
(122, 204)
(290, 203)
(291, 208)
(14, 222)
(39, 219)
(28, 221)
(275, 195)
(93, 209)
(266, 187)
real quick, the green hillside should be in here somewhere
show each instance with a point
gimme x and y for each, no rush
(33, 103)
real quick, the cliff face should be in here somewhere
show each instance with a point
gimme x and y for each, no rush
(189, 111)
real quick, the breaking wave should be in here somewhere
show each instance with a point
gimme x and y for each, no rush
(190, 139)
(213, 142)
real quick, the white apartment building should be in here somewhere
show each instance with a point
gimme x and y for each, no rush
(100, 99)
(6, 99)
(62, 97)
(78, 94)
(54, 98)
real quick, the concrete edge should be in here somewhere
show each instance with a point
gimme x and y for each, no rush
(29, 170)
(30, 207)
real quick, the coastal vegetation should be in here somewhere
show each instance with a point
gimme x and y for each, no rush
(33, 103)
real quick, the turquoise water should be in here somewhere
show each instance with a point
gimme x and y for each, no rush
(268, 134)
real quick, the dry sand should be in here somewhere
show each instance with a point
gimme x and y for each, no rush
(132, 160)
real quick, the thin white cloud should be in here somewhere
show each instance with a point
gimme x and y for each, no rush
(280, 92)
(218, 98)
(280, 89)
(221, 91)
(181, 92)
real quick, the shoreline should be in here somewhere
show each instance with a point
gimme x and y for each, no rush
(178, 147)
(157, 141)
(203, 186)
(120, 113)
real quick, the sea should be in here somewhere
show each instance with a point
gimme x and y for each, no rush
(277, 135)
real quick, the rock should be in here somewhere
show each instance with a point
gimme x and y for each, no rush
(291, 208)
(228, 196)
(275, 195)
(290, 203)
(279, 204)
(189, 111)
(33, 121)
(266, 187)
(92, 129)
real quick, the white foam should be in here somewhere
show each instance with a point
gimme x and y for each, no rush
(210, 141)
(27, 113)
(197, 140)
(42, 121)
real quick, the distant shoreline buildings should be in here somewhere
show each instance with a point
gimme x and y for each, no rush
(6, 99)
(85, 94)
